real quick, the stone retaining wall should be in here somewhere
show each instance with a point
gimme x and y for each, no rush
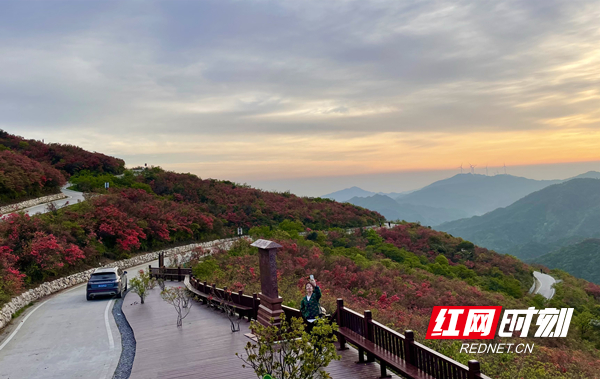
(183, 253)
(30, 203)
(82, 277)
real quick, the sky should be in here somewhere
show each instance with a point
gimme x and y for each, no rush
(310, 96)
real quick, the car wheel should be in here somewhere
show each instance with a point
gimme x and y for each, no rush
(119, 295)
(87, 296)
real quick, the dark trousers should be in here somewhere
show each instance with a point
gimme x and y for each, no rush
(309, 326)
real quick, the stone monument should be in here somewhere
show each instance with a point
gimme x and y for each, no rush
(270, 302)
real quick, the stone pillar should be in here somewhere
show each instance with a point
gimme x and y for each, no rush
(270, 302)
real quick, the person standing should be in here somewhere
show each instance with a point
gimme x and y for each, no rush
(310, 307)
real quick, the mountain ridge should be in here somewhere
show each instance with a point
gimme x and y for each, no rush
(581, 259)
(553, 217)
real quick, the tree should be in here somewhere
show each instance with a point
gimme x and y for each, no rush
(179, 298)
(142, 284)
(584, 323)
(289, 351)
(226, 304)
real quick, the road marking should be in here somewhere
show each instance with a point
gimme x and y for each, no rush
(35, 309)
(111, 342)
(20, 325)
(104, 373)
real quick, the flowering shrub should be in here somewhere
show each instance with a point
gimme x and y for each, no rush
(243, 206)
(67, 158)
(401, 291)
(127, 220)
(22, 177)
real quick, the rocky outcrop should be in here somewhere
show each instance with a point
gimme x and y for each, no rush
(30, 203)
(45, 289)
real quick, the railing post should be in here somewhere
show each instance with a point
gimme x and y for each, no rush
(368, 332)
(205, 298)
(240, 296)
(150, 270)
(254, 305)
(474, 369)
(225, 299)
(409, 339)
(340, 309)
(213, 292)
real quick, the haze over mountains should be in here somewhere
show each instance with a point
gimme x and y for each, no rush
(461, 196)
(348, 193)
(581, 259)
(395, 210)
(475, 194)
(541, 222)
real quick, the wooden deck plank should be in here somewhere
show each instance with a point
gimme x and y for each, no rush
(204, 347)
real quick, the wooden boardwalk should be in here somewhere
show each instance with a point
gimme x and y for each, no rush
(204, 347)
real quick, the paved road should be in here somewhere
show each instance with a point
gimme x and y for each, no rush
(64, 336)
(546, 284)
(72, 198)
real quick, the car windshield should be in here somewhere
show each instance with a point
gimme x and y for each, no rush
(103, 276)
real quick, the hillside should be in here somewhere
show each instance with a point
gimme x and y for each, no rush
(144, 212)
(475, 194)
(348, 193)
(581, 260)
(541, 222)
(401, 273)
(22, 178)
(68, 159)
(393, 210)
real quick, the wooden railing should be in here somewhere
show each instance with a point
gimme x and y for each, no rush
(400, 345)
(405, 346)
(238, 297)
(351, 320)
(168, 273)
(388, 339)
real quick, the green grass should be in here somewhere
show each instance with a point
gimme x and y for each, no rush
(20, 311)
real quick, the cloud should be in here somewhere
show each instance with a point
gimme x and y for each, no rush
(266, 88)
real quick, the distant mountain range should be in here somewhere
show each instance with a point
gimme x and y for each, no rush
(348, 193)
(541, 222)
(475, 194)
(581, 259)
(461, 196)
(393, 210)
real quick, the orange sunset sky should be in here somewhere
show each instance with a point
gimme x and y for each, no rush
(311, 96)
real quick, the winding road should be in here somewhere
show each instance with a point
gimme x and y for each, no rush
(63, 336)
(546, 287)
(73, 197)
